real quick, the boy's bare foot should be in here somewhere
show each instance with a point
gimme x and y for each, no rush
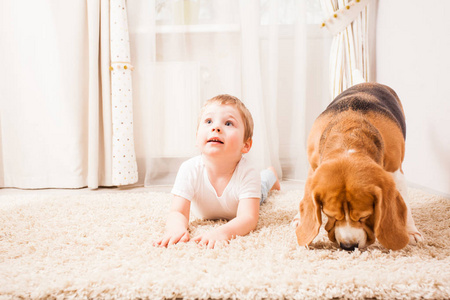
(276, 185)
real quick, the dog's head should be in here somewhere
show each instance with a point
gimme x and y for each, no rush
(361, 202)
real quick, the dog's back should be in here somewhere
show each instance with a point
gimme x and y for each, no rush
(370, 97)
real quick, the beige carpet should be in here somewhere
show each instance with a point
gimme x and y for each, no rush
(99, 245)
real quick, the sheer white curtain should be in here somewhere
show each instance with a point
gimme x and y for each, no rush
(186, 52)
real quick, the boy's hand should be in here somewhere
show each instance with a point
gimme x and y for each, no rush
(172, 237)
(245, 221)
(177, 223)
(211, 238)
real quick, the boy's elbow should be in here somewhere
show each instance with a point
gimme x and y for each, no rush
(253, 222)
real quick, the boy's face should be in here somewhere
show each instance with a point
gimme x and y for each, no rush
(221, 132)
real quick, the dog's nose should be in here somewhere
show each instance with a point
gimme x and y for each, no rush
(348, 247)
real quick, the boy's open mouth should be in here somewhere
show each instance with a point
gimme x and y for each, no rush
(215, 141)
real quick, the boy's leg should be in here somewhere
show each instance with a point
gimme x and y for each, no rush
(269, 181)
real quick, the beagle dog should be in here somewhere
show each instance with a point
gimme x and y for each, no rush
(355, 151)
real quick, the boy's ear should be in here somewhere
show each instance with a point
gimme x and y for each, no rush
(247, 146)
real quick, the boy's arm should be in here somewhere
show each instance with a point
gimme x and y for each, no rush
(177, 223)
(246, 220)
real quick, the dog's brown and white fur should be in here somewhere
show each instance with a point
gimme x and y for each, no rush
(355, 150)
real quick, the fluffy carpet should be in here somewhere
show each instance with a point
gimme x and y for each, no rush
(99, 245)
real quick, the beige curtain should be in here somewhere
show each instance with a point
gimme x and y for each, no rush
(55, 107)
(349, 23)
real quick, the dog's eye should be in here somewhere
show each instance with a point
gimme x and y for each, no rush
(332, 215)
(363, 218)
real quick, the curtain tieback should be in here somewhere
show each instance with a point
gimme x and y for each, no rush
(345, 16)
(121, 64)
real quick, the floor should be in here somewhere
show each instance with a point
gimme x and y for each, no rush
(285, 185)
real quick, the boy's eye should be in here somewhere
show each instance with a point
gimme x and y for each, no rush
(208, 121)
(228, 123)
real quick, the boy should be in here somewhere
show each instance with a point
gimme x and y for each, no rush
(219, 183)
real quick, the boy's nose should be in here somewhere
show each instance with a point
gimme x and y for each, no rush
(216, 129)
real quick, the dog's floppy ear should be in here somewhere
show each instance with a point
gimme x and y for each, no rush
(310, 218)
(390, 215)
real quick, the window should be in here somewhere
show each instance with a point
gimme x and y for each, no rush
(225, 13)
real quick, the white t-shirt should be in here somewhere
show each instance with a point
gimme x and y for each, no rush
(192, 183)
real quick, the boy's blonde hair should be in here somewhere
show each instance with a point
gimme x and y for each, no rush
(231, 100)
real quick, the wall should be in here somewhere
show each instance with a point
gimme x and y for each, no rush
(412, 56)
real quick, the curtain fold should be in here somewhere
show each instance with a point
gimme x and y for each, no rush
(264, 150)
(105, 132)
(299, 109)
(124, 167)
(93, 18)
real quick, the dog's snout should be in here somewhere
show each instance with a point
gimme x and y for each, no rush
(348, 247)
(349, 238)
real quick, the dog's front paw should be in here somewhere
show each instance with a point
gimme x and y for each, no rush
(415, 237)
(296, 221)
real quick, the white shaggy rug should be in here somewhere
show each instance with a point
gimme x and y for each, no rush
(99, 245)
